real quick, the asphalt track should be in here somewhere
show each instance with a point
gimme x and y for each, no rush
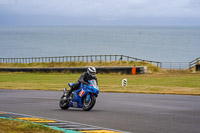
(136, 113)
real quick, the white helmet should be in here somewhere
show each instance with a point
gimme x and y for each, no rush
(91, 71)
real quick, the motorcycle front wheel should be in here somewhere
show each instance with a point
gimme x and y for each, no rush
(63, 103)
(88, 105)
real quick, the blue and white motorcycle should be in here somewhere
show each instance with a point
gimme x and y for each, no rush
(84, 97)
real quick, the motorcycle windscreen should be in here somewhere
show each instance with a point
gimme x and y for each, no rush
(94, 82)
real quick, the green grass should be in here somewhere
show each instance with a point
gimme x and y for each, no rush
(165, 83)
(12, 126)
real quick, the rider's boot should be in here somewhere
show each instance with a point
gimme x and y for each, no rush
(69, 93)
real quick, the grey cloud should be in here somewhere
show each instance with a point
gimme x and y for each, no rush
(102, 10)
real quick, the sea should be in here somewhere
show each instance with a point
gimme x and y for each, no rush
(164, 44)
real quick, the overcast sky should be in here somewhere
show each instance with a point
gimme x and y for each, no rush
(100, 12)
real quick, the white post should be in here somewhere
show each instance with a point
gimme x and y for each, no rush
(124, 82)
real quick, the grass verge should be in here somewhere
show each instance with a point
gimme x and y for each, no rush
(151, 68)
(166, 83)
(12, 126)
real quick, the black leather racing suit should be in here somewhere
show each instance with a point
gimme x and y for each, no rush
(83, 79)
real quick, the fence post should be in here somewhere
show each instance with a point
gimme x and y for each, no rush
(121, 58)
(91, 59)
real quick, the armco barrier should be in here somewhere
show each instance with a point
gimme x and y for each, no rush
(122, 70)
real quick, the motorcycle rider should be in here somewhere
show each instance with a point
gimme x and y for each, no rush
(89, 75)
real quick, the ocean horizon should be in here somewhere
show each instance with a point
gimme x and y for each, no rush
(158, 43)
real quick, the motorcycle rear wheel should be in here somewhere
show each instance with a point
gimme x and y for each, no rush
(87, 106)
(63, 103)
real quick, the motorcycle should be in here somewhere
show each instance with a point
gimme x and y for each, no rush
(84, 97)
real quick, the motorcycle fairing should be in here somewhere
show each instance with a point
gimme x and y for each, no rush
(70, 84)
(83, 91)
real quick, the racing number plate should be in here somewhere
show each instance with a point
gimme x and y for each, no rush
(82, 92)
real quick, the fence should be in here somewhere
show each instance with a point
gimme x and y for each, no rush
(87, 58)
(106, 58)
(175, 65)
(194, 62)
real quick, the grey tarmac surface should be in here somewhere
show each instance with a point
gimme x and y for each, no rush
(136, 113)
